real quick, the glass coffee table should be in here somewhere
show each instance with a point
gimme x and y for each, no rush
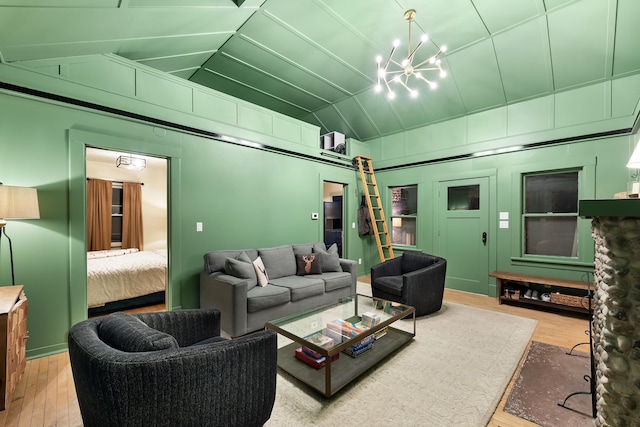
(334, 344)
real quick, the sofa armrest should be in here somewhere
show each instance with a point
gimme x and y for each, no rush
(186, 326)
(351, 267)
(391, 267)
(229, 295)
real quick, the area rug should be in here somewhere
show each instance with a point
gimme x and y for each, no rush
(453, 373)
(547, 377)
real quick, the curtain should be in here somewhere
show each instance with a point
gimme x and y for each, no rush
(98, 215)
(132, 216)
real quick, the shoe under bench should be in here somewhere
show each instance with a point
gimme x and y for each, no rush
(566, 295)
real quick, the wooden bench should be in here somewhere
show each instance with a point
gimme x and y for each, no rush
(566, 295)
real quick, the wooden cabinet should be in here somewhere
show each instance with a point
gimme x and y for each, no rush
(13, 340)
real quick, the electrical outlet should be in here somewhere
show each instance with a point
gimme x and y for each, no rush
(359, 260)
(314, 215)
(198, 226)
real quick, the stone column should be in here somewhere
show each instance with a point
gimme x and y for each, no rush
(616, 320)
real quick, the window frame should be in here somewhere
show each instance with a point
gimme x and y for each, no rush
(525, 215)
(585, 166)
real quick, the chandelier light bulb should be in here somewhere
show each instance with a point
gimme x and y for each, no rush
(392, 95)
(405, 62)
(396, 43)
(443, 49)
(433, 85)
(413, 93)
(378, 88)
(443, 74)
(424, 38)
(381, 73)
(378, 59)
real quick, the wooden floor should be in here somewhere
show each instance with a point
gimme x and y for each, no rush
(46, 395)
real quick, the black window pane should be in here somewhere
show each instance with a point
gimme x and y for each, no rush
(556, 192)
(404, 200)
(116, 229)
(465, 198)
(552, 236)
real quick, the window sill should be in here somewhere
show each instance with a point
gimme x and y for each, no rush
(549, 260)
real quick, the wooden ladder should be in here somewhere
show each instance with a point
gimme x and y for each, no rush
(376, 213)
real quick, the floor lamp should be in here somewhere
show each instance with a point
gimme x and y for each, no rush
(16, 203)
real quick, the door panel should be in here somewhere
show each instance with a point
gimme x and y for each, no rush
(463, 212)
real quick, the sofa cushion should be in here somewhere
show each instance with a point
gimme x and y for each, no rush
(128, 333)
(308, 264)
(242, 268)
(300, 287)
(279, 261)
(333, 280)
(268, 296)
(214, 261)
(390, 284)
(261, 272)
(330, 257)
(305, 248)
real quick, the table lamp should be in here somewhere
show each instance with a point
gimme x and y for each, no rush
(16, 203)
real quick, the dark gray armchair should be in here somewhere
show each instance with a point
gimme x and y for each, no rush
(171, 369)
(414, 278)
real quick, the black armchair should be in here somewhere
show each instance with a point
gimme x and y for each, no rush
(192, 377)
(414, 278)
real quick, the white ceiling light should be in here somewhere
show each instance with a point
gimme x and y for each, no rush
(393, 72)
(130, 162)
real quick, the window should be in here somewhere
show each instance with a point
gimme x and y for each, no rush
(550, 214)
(466, 198)
(116, 215)
(404, 215)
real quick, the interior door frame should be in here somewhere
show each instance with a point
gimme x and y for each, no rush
(345, 186)
(492, 215)
(79, 140)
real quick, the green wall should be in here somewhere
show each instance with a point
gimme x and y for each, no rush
(246, 197)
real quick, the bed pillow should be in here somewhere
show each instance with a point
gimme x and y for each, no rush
(308, 264)
(330, 258)
(242, 268)
(128, 333)
(261, 272)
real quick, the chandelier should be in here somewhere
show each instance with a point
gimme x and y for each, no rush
(400, 72)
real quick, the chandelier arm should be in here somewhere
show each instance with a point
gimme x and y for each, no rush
(427, 60)
(386, 64)
(413, 52)
(416, 69)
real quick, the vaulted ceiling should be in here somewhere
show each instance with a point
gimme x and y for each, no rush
(314, 59)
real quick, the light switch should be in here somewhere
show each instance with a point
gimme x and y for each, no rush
(198, 226)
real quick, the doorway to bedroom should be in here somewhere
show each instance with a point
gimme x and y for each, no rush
(127, 232)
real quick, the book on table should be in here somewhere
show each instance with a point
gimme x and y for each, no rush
(315, 362)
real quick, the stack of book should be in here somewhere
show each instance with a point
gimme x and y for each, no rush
(342, 331)
(312, 357)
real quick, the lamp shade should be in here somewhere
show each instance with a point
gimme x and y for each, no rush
(18, 203)
(634, 161)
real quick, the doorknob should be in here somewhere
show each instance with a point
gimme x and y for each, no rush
(484, 238)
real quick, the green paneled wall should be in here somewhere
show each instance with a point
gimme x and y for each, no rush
(248, 197)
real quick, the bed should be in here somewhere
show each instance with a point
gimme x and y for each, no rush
(118, 279)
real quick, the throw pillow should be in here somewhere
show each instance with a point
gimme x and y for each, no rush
(308, 264)
(128, 333)
(261, 272)
(242, 268)
(330, 258)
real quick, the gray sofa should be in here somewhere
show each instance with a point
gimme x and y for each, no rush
(298, 277)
